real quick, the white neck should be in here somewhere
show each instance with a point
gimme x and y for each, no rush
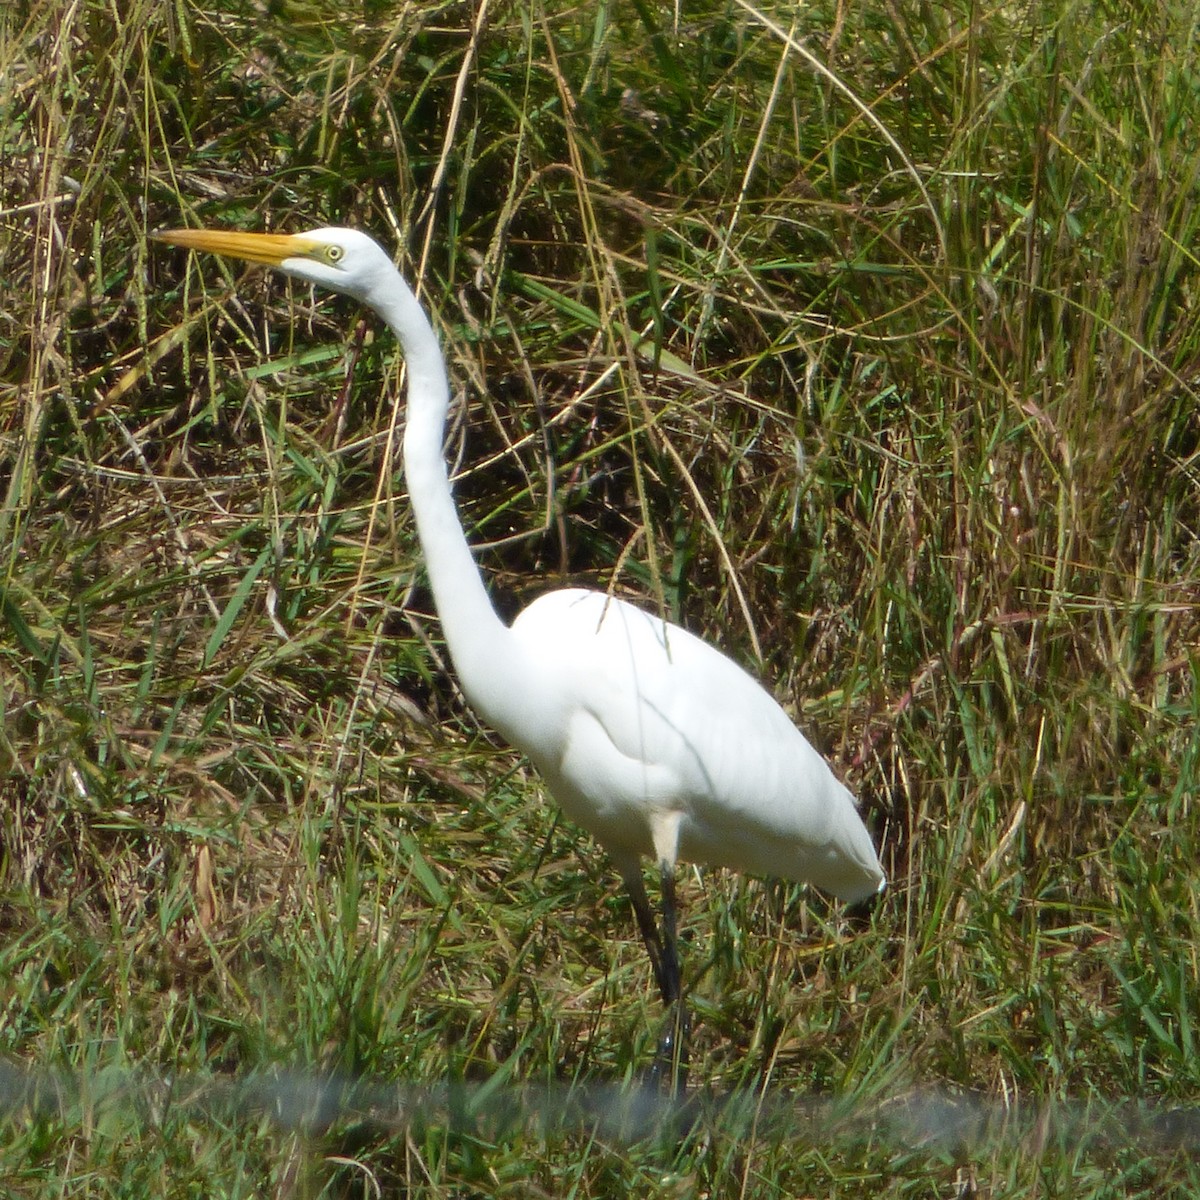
(485, 655)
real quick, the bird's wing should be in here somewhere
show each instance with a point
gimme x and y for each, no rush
(653, 718)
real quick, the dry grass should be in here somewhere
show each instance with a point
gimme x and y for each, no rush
(925, 456)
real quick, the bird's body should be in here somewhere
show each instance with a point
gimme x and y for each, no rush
(646, 722)
(649, 738)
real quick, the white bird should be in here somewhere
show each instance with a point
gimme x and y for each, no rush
(649, 738)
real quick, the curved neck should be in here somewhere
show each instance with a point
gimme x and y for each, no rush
(481, 646)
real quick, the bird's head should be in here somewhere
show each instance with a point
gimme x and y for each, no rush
(342, 260)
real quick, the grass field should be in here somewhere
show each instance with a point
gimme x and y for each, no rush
(862, 339)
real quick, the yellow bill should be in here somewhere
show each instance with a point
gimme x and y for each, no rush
(271, 248)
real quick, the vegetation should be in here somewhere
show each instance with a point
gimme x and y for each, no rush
(861, 339)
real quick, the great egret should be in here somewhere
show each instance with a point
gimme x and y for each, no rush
(648, 737)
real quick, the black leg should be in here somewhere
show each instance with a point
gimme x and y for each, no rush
(669, 1071)
(669, 984)
(649, 930)
(669, 1074)
(671, 1061)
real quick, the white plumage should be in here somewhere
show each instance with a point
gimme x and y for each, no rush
(647, 721)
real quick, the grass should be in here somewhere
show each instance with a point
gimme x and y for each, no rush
(883, 377)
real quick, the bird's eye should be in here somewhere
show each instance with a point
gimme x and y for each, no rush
(334, 254)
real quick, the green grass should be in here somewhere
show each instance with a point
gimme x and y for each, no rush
(901, 412)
